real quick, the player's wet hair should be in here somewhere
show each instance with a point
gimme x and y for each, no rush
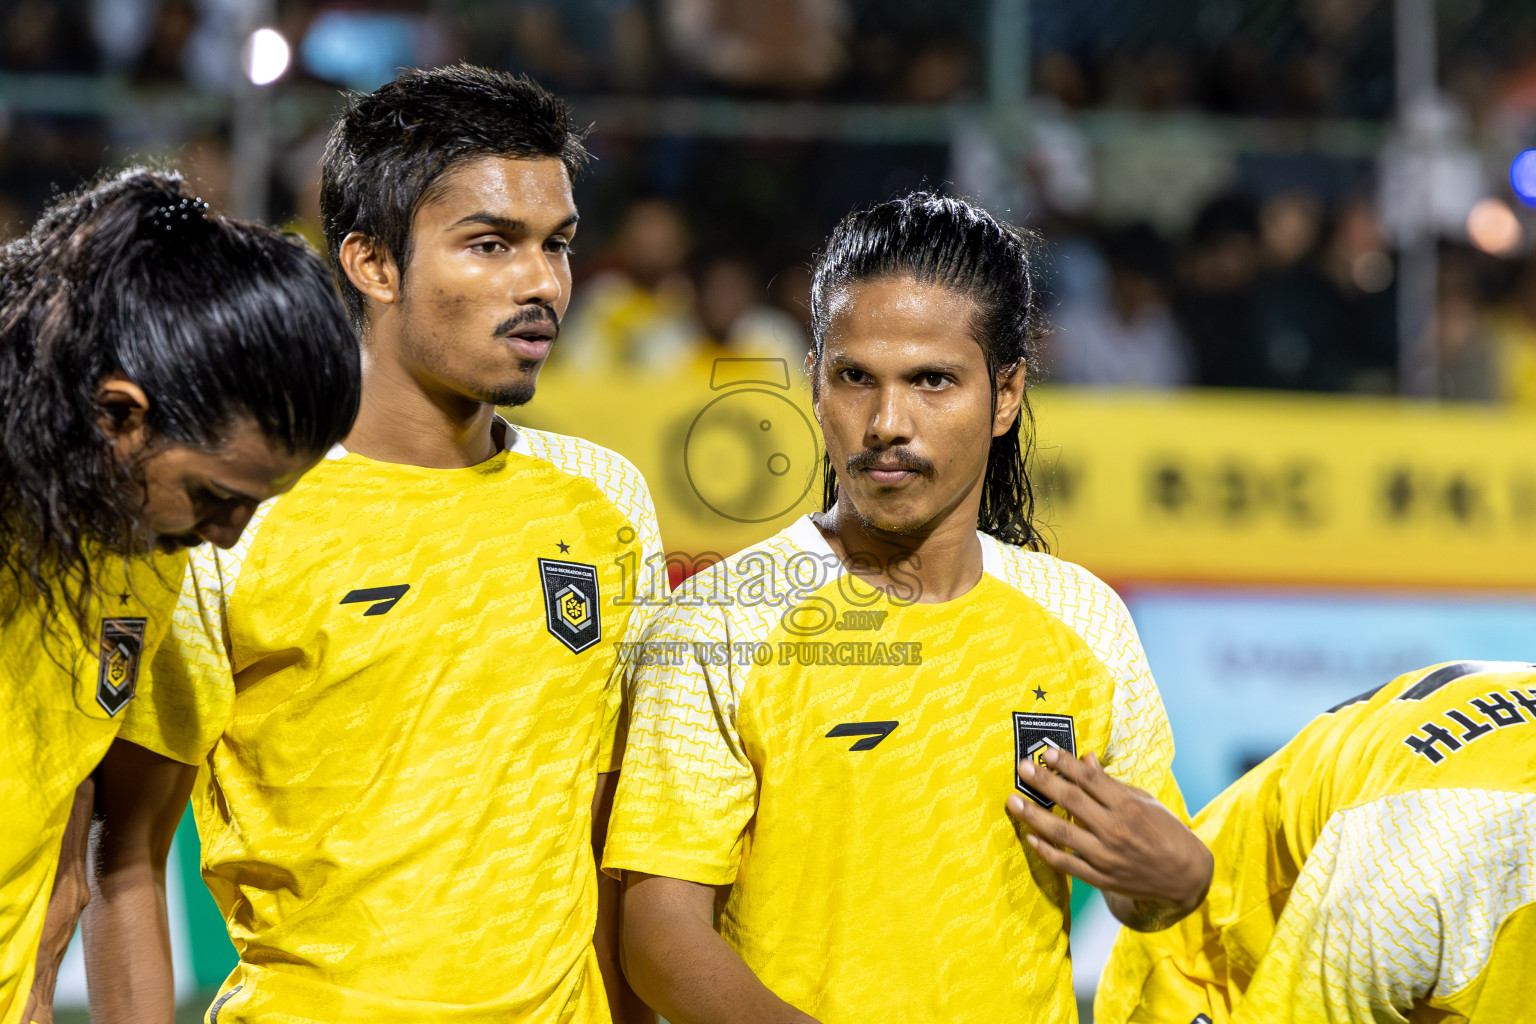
(389, 147)
(214, 319)
(947, 241)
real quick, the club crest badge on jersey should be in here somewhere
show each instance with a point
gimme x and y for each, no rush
(1033, 735)
(570, 603)
(122, 646)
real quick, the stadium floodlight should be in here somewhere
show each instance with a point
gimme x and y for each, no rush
(1522, 176)
(266, 56)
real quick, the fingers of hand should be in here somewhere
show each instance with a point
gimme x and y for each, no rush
(1087, 774)
(1054, 828)
(1060, 789)
(1068, 863)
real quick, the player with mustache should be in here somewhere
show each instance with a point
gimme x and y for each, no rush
(414, 654)
(840, 798)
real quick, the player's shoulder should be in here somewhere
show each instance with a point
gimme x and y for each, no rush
(773, 559)
(612, 473)
(1071, 592)
(211, 572)
(748, 593)
(1412, 694)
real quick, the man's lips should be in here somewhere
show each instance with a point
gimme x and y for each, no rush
(889, 468)
(889, 474)
(532, 341)
(529, 348)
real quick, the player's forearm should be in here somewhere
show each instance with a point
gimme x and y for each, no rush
(70, 892)
(128, 947)
(624, 1005)
(140, 796)
(682, 968)
(64, 910)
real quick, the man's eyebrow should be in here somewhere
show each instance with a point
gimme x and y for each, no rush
(849, 362)
(507, 225)
(233, 492)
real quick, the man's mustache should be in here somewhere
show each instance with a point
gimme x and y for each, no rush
(530, 316)
(900, 456)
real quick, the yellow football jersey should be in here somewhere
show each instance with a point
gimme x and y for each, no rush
(64, 699)
(1380, 866)
(414, 677)
(842, 759)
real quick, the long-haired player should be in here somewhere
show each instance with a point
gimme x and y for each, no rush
(849, 735)
(162, 370)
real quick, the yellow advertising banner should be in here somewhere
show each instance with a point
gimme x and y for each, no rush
(1231, 487)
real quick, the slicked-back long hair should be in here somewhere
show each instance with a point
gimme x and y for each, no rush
(215, 319)
(947, 241)
(388, 148)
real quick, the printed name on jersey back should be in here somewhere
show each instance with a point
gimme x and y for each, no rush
(1476, 718)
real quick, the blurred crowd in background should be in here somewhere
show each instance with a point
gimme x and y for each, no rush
(1220, 182)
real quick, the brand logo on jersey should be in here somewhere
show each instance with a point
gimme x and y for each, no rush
(873, 733)
(1201, 1018)
(384, 598)
(122, 644)
(570, 603)
(1033, 735)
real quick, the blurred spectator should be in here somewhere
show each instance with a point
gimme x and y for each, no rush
(1290, 225)
(162, 59)
(1060, 76)
(638, 312)
(1328, 323)
(1151, 80)
(45, 36)
(1217, 304)
(941, 70)
(790, 46)
(1466, 360)
(737, 320)
(1127, 336)
(580, 45)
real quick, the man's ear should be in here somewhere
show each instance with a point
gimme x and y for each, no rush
(371, 270)
(122, 407)
(1010, 395)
